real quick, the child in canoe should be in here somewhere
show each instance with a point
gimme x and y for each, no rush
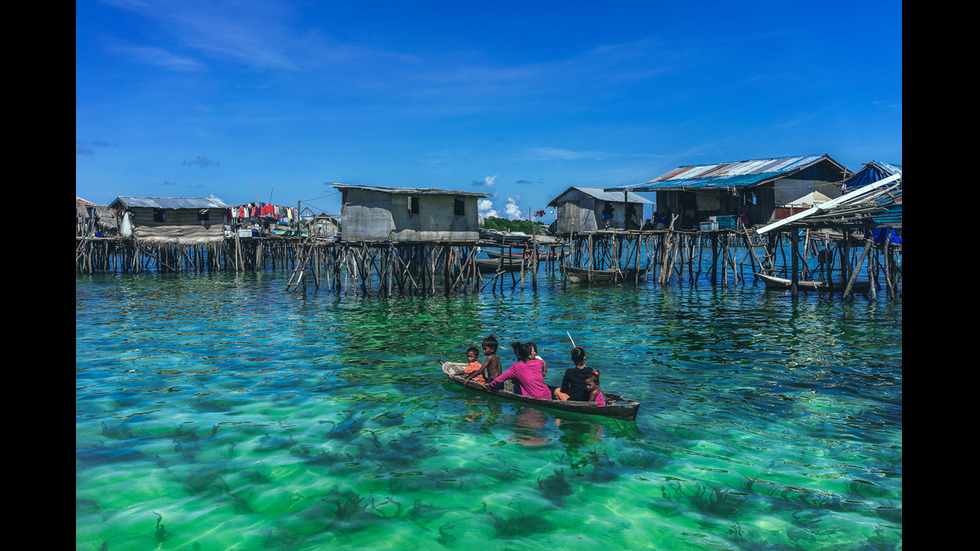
(534, 355)
(527, 371)
(491, 366)
(573, 383)
(473, 364)
(592, 384)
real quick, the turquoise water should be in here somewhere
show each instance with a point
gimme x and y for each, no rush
(219, 412)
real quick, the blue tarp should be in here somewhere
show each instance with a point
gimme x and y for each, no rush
(871, 173)
(879, 235)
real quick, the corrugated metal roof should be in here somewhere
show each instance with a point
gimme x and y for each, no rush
(720, 175)
(413, 191)
(604, 195)
(210, 202)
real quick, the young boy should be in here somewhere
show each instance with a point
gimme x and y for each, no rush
(473, 364)
(490, 369)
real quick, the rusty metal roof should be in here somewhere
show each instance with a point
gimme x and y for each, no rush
(736, 174)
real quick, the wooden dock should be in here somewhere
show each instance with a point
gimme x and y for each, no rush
(666, 257)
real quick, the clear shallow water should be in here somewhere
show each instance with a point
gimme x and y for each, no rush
(219, 412)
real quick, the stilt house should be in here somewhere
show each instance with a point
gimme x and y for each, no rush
(94, 220)
(582, 209)
(408, 215)
(322, 225)
(763, 190)
(173, 219)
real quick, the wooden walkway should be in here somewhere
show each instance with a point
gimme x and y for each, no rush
(666, 257)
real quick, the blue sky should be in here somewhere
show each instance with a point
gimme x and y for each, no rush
(274, 101)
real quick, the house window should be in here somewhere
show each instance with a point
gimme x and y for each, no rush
(413, 205)
(203, 214)
(159, 215)
(459, 206)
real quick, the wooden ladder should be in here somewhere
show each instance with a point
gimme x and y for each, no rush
(765, 261)
(303, 258)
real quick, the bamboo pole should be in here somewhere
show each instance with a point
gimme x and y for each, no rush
(850, 282)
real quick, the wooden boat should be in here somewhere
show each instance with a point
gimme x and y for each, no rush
(617, 407)
(507, 238)
(584, 275)
(781, 283)
(517, 256)
(491, 265)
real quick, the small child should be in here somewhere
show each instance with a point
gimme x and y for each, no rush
(592, 384)
(473, 364)
(534, 355)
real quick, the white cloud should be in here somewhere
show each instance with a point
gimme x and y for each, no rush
(491, 179)
(485, 208)
(512, 209)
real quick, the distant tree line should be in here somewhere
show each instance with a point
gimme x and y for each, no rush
(504, 225)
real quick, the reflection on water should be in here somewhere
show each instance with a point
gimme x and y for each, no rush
(218, 412)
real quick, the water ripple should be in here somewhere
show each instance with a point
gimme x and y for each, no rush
(220, 411)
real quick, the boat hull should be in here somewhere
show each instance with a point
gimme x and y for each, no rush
(490, 265)
(542, 257)
(580, 275)
(617, 407)
(781, 283)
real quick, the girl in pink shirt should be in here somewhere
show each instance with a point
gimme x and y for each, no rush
(592, 384)
(527, 371)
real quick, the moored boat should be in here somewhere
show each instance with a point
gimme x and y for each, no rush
(617, 407)
(781, 283)
(490, 265)
(542, 256)
(507, 238)
(584, 275)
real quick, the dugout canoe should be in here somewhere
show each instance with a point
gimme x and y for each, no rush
(542, 257)
(781, 283)
(617, 407)
(584, 275)
(491, 265)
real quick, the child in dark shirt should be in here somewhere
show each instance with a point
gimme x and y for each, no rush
(573, 383)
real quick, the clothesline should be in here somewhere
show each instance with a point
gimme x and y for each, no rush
(261, 210)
